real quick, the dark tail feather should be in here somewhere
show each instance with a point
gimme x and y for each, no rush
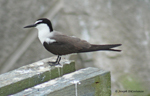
(101, 48)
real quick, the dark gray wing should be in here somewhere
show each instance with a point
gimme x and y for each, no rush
(66, 44)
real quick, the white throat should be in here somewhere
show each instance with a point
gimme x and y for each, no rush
(44, 33)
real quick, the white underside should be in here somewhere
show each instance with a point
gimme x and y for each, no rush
(44, 34)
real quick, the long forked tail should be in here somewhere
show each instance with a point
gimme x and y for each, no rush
(101, 48)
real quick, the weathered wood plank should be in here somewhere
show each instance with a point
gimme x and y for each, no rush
(93, 82)
(31, 75)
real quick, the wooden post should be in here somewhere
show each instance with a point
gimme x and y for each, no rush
(31, 75)
(85, 82)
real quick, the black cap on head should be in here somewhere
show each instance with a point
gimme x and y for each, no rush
(40, 21)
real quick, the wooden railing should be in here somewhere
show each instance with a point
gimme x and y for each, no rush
(38, 79)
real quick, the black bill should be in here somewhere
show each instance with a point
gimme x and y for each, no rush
(33, 25)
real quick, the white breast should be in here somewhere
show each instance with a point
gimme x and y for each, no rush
(48, 40)
(44, 34)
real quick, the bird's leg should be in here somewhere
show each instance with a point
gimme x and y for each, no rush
(57, 59)
(56, 62)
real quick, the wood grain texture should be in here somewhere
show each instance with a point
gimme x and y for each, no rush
(31, 75)
(93, 82)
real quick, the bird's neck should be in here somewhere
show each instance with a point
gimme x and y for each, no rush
(43, 35)
(43, 32)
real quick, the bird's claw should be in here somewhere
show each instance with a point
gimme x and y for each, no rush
(53, 63)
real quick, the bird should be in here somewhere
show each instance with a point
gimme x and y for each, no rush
(60, 44)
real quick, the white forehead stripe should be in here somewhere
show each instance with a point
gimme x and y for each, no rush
(38, 21)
